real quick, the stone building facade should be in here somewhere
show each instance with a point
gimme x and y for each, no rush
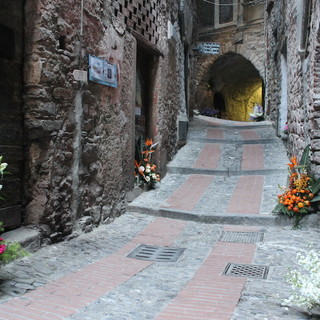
(293, 73)
(79, 136)
(231, 80)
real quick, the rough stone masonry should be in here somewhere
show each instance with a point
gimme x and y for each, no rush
(80, 135)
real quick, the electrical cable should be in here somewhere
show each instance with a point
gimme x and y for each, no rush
(249, 3)
(220, 4)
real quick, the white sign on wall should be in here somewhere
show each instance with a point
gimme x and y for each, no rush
(80, 75)
(102, 71)
(208, 48)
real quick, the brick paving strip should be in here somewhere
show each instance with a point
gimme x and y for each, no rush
(246, 198)
(65, 296)
(189, 193)
(209, 157)
(215, 133)
(250, 134)
(247, 195)
(210, 154)
(210, 294)
(252, 157)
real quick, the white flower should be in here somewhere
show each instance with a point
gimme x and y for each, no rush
(3, 166)
(147, 178)
(148, 170)
(306, 284)
(141, 169)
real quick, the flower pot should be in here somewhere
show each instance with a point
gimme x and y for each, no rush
(145, 187)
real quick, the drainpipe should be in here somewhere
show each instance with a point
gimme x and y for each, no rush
(77, 151)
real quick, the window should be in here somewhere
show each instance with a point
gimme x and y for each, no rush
(225, 11)
(217, 13)
(303, 22)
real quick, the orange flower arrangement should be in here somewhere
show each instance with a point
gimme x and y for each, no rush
(297, 198)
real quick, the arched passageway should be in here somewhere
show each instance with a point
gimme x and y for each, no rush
(230, 86)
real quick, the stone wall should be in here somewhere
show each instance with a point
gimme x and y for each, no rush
(312, 92)
(81, 135)
(302, 77)
(276, 43)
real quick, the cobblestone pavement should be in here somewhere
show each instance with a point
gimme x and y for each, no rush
(92, 277)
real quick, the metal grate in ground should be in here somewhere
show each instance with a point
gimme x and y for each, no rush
(243, 237)
(155, 253)
(246, 270)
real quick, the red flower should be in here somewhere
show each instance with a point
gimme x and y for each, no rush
(3, 248)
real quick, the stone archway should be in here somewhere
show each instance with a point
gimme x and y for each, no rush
(234, 80)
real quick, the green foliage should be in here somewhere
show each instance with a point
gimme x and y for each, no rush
(305, 159)
(315, 199)
(315, 187)
(13, 251)
(280, 208)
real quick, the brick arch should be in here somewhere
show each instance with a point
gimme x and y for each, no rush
(252, 56)
(219, 74)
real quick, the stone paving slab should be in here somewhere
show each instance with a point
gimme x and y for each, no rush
(236, 163)
(147, 296)
(231, 155)
(152, 289)
(52, 262)
(92, 277)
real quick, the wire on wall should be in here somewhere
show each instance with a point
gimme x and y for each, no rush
(246, 3)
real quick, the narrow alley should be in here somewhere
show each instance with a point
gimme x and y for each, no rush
(203, 244)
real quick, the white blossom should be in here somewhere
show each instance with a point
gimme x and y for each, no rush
(3, 166)
(305, 284)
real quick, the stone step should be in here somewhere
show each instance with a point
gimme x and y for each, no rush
(28, 238)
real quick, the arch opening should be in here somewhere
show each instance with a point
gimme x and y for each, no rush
(229, 88)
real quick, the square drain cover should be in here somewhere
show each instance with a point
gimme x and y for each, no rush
(243, 237)
(155, 253)
(246, 270)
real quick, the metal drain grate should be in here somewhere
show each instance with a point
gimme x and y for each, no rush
(155, 253)
(246, 270)
(243, 237)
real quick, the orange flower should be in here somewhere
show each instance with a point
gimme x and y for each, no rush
(293, 163)
(136, 164)
(148, 142)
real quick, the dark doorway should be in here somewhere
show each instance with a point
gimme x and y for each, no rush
(219, 103)
(143, 100)
(11, 121)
